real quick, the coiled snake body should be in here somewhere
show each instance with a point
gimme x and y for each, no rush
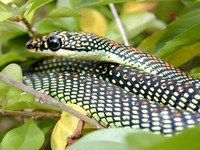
(148, 77)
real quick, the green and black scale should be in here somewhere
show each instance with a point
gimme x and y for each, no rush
(105, 102)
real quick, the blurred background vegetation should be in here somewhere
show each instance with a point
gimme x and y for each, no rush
(167, 29)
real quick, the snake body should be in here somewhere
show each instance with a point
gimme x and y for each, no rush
(148, 77)
(182, 95)
(110, 105)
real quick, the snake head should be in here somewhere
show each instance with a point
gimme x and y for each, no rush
(79, 45)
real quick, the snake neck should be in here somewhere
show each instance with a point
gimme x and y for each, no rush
(135, 58)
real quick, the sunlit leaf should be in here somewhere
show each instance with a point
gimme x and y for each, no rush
(65, 127)
(93, 21)
(138, 6)
(20, 138)
(5, 15)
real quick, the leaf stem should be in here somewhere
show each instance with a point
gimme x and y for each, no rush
(37, 114)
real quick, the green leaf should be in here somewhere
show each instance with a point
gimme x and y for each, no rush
(24, 8)
(68, 3)
(27, 101)
(196, 75)
(177, 33)
(35, 5)
(148, 44)
(10, 30)
(188, 140)
(51, 24)
(99, 145)
(8, 93)
(5, 15)
(115, 138)
(131, 25)
(13, 56)
(184, 55)
(28, 136)
(137, 142)
(84, 3)
(64, 12)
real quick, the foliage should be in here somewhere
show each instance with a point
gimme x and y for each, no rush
(168, 29)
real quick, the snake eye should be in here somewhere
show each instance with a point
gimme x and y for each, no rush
(54, 43)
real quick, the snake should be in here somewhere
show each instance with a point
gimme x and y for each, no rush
(138, 77)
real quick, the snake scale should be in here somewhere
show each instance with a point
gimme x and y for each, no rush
(143, 76)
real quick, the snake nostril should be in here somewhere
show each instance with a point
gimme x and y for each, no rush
(29, 45)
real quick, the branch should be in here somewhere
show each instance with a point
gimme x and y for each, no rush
(37, 114)
(23, 22)
(119, 23)
(45, 99)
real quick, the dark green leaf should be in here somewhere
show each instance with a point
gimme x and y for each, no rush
(177, 33)
(13, 56)
(64, 12)
(28, 136)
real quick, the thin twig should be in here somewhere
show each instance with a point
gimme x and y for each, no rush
(37, 114)
(119, 23)
(43, 98)
(23, 22)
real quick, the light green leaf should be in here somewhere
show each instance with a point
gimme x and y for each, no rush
(184, 55)
(28, 136)
(99, 145)
(8, 93)
(5, 15)
(115, 138)
(196, 75)
(84, 3)
(134, 23)
(68, 3)
(51, 24)
(148, 44)
(177, 33)
(64, 12)
(28, 101)
(35, 5)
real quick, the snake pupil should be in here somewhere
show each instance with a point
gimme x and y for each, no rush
(54, 43)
